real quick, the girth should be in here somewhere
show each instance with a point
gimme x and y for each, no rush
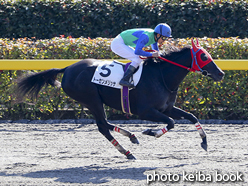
(125, 96)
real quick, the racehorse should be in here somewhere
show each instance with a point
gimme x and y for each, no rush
(152, 99)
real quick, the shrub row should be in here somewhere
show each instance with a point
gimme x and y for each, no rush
(107, 18)
(224, 100)
(99, 48)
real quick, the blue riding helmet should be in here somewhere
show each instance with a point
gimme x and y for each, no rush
(163, 29)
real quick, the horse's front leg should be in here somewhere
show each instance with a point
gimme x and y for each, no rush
(155, 115)
(178, 113)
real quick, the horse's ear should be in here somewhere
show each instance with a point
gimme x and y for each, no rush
(197, 43)
(195, 48)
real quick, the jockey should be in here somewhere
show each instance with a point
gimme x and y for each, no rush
(124, 44)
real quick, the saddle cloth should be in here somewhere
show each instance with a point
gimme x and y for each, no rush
(110, 73)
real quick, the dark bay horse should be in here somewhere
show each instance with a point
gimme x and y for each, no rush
(153, 98)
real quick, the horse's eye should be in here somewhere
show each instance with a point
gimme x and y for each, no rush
(204, 57)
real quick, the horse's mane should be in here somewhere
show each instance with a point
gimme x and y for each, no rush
(172, 52)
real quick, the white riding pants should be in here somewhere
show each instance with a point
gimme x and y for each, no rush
(120, 48)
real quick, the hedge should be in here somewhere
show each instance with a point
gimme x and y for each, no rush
(46, 19)
(206, 99)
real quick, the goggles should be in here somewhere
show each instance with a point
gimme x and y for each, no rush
(162, 37)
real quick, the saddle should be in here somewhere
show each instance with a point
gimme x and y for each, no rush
(109, 73)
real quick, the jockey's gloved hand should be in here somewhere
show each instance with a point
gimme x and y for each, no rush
(155, 54)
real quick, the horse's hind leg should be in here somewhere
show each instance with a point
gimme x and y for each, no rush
(107, 134)
(124, 132)
(104, 127)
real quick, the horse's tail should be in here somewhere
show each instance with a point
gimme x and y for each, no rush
(32, 84)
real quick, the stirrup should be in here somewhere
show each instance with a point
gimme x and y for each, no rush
(127, 84)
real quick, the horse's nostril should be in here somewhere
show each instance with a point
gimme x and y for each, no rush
(221, 74)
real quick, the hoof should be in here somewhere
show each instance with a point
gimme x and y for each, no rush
(204, 144)
(133, 139)
(158, 135)
(148, 132)
(131, 157)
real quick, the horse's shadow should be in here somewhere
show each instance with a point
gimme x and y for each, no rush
(89, 174)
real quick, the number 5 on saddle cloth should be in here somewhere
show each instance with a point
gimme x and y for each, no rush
(110, 73)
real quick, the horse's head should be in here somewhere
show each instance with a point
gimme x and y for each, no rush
(202, 62)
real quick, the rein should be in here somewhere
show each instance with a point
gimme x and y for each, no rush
(194, 59)
(174, 63)
(169, 61)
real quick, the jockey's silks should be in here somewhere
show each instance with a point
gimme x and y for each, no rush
(140, 38)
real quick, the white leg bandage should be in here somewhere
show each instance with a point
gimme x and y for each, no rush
(161, 132)
(200, 130)
(122, 131)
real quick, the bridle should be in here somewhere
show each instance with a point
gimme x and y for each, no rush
(196, 52)
(195, 65)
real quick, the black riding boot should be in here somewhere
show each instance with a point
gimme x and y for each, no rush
(125, 80)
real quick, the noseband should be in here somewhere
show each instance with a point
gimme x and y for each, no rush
(195, 63)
